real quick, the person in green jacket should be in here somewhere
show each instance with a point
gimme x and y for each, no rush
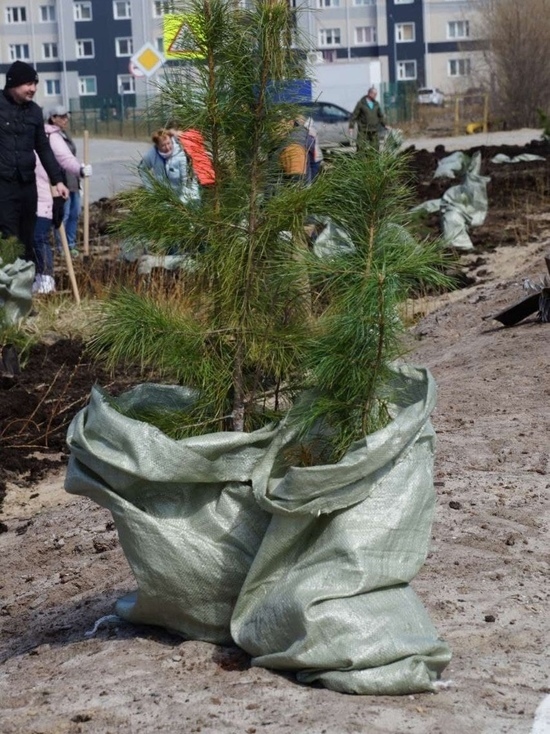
(369, 118)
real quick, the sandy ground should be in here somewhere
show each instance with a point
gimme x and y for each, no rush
(485, 581)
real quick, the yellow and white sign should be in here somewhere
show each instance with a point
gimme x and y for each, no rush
(147, 60)
(183, 37)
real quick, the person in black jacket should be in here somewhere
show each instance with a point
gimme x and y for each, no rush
(22, 133)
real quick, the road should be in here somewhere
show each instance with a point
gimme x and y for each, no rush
(463, 142)
(114, 165)
(114, 162)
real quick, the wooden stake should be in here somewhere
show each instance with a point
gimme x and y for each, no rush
(486, 113)
(69, 262)
(86, 198)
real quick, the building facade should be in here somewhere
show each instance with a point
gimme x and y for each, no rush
(82, 49)
(429, 42)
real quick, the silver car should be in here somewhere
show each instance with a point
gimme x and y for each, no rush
(431, 95)
(331, 123)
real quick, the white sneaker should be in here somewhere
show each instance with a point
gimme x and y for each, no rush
(48, 284)
(37, 285)
(43, 284)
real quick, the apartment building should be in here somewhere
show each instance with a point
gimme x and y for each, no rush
(82, 49)
(430, 42)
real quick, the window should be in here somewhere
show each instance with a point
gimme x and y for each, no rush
(49, 51)
(327, 113)
(458, 29)
(122, 9)
(459, 67)
(328, 3)
(16, 14)
(329, 36)
(364, 2)
(329, 56)
(47, 13)
(52, 87)
(124, 46)
(82, 11)
(406, 70)
(365, 34)
(87, 85)
(19, 52)
(126, 84)
(159, 44)
(85, 48)
(404, 32)
(162, 7)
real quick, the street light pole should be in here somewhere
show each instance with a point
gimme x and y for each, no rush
(121, 92)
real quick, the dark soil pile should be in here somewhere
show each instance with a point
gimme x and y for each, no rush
(517, 192)
(37, 405)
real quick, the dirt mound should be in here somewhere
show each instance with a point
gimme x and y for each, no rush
(517, 192)
(37, 405)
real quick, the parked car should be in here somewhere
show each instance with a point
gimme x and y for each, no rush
(431, 95)
(331, 122)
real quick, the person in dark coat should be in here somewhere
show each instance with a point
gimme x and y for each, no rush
(370, 120)
(21, 134)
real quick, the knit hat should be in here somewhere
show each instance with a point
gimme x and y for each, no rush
(20, 73)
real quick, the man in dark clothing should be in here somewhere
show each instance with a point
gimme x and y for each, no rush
(22, 133)
(369, 118)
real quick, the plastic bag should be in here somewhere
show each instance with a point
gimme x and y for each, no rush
(307, 569)
(184, 510)
(328, 594)
(16, 281)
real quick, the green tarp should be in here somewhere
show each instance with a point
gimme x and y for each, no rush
(16, 281)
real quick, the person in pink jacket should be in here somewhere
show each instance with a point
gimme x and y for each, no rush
(44, 281)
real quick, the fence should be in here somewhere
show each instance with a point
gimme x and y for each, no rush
(129, 116)
(460, 114)
(472, 114)
(122, 116)
(398, 100)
